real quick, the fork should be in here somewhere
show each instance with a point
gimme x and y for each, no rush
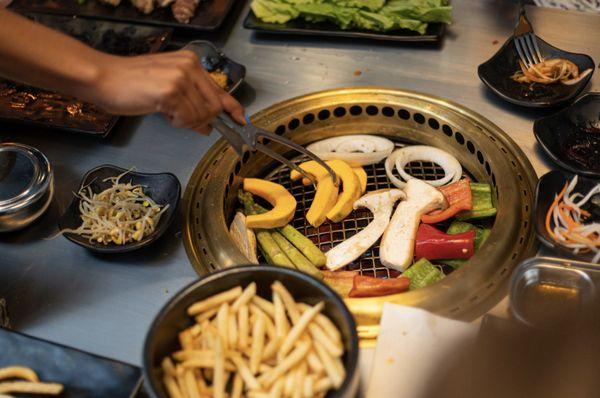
(526, 42)
(247, 137)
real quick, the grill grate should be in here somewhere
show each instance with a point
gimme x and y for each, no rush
(331, 234)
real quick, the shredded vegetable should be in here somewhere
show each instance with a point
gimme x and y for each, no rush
(120, 214)
(550, 71)
(566, 221)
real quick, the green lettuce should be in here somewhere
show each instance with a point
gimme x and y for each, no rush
(274, 11)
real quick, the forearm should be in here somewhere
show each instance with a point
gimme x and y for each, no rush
(42, 57)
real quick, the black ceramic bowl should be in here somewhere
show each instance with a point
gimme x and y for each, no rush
(496, 73)
(163, 188)
(571, 137)
(547, 187)
(162, 338)
(213, 59)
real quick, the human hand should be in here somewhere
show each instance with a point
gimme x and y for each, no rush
(174, 84)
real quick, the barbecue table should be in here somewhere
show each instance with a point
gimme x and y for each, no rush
(104, 304)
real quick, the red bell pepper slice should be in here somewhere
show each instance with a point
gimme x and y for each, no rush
(367, 286)
(459, 197)
(433, 244)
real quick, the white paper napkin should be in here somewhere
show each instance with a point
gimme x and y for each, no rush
(411, 345)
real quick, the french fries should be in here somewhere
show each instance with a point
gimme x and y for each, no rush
(23, 380)
(243, 345)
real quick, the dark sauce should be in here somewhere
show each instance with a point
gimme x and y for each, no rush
(536, 91)
(583, 148)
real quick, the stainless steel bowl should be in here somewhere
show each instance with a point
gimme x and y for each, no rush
(26, 185)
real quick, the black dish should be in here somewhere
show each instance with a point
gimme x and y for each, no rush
(547, 187)
(209, 15)
(571, 137)
(45, 109)
(434, 33)
(496, 73)
(82, 374)
(162, 338)
(213, 60)
(163, 188)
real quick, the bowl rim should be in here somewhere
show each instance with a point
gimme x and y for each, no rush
(112, 249)
(550, 153)
(535, 104)
(353, 352)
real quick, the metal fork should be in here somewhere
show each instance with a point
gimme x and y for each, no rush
(526, 42)
(246, 137)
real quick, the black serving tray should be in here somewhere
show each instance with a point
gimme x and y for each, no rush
(209, 16)
(82, 374)
(68, 113)
(434, 33)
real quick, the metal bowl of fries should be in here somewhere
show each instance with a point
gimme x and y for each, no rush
(253, 331)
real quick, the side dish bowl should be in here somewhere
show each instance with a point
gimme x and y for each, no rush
(163, 188)
(162, 338)
(497, 71)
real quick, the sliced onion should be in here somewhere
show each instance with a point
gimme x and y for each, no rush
(356, 150)
(576, 80)
(403, 156)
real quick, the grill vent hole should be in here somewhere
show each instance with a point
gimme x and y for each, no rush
(447, 130)
(339, 111)
(246, 154)
(459, 138)
(324, 114)
(372, 110)
(230, 181)
(294, 123)
(308, 118)
(355, 110)
(238, 167)
(280, 130)
(487, 168)
(434, 124)
(419, 118)
(470, 147)
(480, 157)
(403, 114)
(387, 111)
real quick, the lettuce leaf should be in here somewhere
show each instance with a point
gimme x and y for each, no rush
(274, 11)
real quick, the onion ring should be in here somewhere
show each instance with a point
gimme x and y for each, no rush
(401, 157)
(356, 150)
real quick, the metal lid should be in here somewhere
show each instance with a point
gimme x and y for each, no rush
(25, 175)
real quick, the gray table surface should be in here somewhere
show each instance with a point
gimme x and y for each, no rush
(61, 292)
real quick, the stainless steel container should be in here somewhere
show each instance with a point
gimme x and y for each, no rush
(546, 292)
(26, 185)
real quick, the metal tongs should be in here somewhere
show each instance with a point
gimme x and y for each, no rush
(247, 137)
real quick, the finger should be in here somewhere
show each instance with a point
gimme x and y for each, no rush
(204, 130)
(209, 90)
(183, 114)
(234, 108)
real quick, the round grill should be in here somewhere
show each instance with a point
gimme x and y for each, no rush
(486, 153)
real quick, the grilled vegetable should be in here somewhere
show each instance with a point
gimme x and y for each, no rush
(243, 237)
(457, 227)
(326, 193)
(381, 204)
(423, 273)
(298, 259)
(398, 241)
(366, 286)
(340, 281)
(266, 243)
(362, 178)
(356, 150)
(434, 244)
(284, 204)
(458, 195)
(482, 203)
(350, 189)
(302, 243)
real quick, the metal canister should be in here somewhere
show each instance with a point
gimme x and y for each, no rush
(547, 292)
(26, 185)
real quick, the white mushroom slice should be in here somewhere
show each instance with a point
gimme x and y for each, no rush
(381, 204)
(243, 237)
(356, 150)
(398, 242)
